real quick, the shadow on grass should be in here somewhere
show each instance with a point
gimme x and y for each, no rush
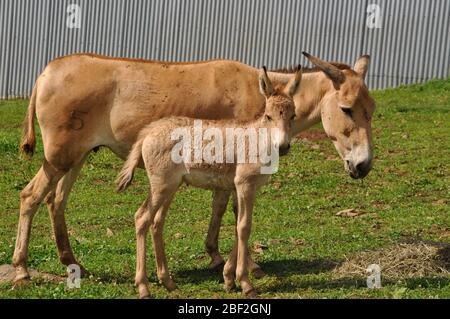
(279, 268)
(282, 270)
(297, 266)
(309, 274)
(286, 285)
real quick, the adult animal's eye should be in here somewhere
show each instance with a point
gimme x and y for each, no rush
(348, 111)
(268, 118)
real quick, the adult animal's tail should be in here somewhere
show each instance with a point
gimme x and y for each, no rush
(28, 144)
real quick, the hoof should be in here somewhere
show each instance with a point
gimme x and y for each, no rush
(22, 276)
(84, 272)
(229, 286)
(170, 285)
(258, 273)
(144, 293)
(216, 264)
(252, 293)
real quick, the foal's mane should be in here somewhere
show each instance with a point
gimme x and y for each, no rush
(293, 68)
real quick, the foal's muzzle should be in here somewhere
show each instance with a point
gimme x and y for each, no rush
(284, 149)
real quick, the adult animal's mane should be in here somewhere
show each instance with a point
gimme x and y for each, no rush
(293, 68)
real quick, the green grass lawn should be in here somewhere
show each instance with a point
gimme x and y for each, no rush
(405, 197)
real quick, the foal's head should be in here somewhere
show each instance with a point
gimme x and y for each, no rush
(280, 108)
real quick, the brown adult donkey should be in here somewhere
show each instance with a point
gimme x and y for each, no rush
(84, 101)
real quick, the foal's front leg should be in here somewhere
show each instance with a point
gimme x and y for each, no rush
(245, 197)
(219, 206)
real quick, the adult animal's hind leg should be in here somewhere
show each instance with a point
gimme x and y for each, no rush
(219, 206)
(56, 204)
(30, 198)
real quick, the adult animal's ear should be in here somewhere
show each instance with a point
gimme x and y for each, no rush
(333, 72)
(362, 65)
(265, 86)
(294, 86)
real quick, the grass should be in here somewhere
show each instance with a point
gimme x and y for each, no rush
(405, 197)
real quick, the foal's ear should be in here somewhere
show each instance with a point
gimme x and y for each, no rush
(294, 86)
(265, 86)
(333, 72)
(361, 65)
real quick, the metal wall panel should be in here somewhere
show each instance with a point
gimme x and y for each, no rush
(411, 46)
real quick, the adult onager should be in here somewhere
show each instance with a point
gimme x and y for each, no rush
(156, 145)
(84, 101)
(339, 98)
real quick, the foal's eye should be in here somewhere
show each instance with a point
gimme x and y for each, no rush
(347, 111)
(268, 118)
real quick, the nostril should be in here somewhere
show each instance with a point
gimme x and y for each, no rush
(360, 167)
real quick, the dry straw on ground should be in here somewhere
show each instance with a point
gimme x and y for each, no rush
(400, 261)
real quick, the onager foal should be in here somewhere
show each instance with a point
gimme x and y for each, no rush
(155, 145)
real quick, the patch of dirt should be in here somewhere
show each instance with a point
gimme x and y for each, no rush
(7, 274)
(404, 260)
(259, 247)
(312, 135)
(442, 232)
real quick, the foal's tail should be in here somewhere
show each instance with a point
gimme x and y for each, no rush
(28, 143)
(126, 174)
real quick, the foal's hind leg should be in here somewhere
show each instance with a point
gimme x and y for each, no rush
(157, 225)
(142, 220)
(56, 204)
(30, 198)
(155, 207)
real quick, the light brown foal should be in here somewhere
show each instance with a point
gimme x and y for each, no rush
(156, 145)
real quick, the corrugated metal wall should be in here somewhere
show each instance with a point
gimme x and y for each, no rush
(412, 44)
